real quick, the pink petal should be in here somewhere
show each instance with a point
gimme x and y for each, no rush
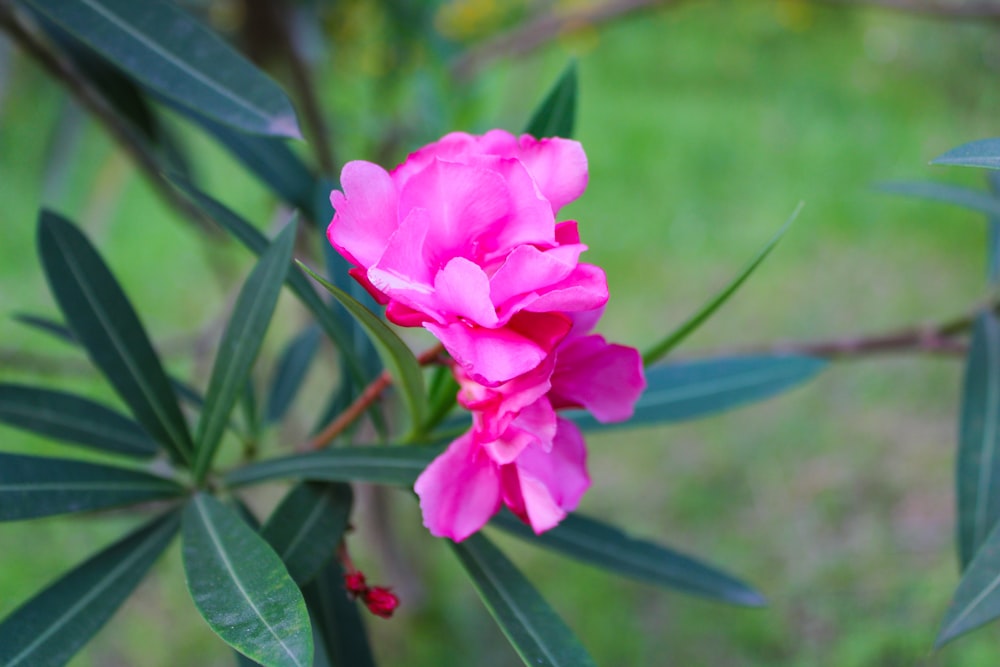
(496, 407)
(450, 147)
(559, 167)
(534, 426)
(527, 271)
(403, 260)
(585, 289)
(462, 289)
(459, 491)
(567, 233)
(605, 379)
(462, 202)
(366, 212)
(489, 356)
(530, 218)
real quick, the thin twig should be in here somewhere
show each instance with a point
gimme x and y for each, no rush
(539, 30)
(66, 73)
(370, 394)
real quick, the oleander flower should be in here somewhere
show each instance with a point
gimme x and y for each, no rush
(462, 239)
(519, 453)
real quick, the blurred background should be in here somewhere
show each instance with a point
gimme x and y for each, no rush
(705, 124)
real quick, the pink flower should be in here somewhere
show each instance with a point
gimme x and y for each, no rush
(462, 239)
(519, 452)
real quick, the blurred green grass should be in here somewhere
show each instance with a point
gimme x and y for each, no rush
(704, 127)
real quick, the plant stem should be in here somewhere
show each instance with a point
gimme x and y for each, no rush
(370, 394)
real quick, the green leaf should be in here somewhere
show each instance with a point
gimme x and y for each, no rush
(659, 350)
(256, 242)
(975, 200)
(692, 389)
(556, 115)
(339, 627)
(170, 52)
(240, 344)
(396, 356)
(977, 598)
(978, 468)
(291, 371)
(141, 120)
(101, 318)
(33, 486)
(535, 631)
(242, 588)
(51, 627)
(75, 419)
(51, 327)
(307, 526)
(269, 159)
(608, 548)
(993, 244)
(982, 153)
(398, 466)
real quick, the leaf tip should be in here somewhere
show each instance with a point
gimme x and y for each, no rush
(285, 126)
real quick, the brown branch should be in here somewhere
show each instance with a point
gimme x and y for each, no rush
(971, 11)
(370, 394)
(538, 30)
(63, 70)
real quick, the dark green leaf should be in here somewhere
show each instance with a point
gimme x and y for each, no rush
(101, 318)
(270, 160)
(71, 418)
(535, 631)
(33, 486)
(339, 628)
(610, 549)
(256, 242)
(290, 373)
(993, 244)
(983, 153)
(399, 466)
(557, 113)
(120, 93)
(240, 344)
(167, 50)
(241, 587)
(692, 389)
(975, 200)
(51, 627)
(248, 406)
(307, 526)
(977, 598)
(396, 356)
(675, 338)
(51, 327)
(978, 469)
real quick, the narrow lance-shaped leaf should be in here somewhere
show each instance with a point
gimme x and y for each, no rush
(982, 153)
(34, 486)
(974, 200)
(535, 631)
(241, 587)
(396, 356)
(240, 344)
(993, 239)
(70, 418)
(339, 628)
(398, 466)
(693, 389)
(556, 115)
(977, 598)
(256, 242)
(610, 549)
(290, 373)
(103, 320)
(51, 627)
(169, 51)
(305, 529)
(675, 338)
(978, 469)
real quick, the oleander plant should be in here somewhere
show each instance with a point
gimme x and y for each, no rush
(437, 283)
